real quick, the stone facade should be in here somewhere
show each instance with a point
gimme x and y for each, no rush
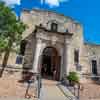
(91, 52)
(67, 39)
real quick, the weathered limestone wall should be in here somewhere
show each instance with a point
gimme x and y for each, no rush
(76, 43)
(29, 52)
(37, 17)
(93, 53)
(11, 60)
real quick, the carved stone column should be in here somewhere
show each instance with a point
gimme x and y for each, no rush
(65, 56)
(36, 56)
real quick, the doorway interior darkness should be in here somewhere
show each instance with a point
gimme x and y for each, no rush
(50, 63)
(94, 67)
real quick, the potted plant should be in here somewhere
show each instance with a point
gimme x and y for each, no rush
(73, 78)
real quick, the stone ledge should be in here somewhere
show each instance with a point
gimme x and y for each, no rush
(66, 92)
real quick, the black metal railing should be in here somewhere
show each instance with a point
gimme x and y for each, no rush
(87, 89)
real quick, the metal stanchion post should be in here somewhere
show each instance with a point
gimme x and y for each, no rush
(39, 85)
(78, 92)
(38, 82)
(74, 90)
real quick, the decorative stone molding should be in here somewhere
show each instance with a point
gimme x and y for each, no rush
(37, 54)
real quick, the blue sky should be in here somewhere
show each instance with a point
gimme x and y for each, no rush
(87, 12)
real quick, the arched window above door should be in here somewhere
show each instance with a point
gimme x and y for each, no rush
(54, 27)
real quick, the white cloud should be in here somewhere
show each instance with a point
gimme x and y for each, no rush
(52, 3)
(11, 2)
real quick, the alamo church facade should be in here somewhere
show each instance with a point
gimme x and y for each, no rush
(54, 42)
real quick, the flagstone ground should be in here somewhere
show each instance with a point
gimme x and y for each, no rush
(90, 91)
(11, 87)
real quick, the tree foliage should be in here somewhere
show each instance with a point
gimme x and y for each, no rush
(11, 29)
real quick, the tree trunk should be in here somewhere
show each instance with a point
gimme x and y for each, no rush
(5, 59)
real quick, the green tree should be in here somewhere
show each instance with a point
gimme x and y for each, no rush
(11, 30)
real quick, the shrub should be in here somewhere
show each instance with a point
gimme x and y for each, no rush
(73, 77)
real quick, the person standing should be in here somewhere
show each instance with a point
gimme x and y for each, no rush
(54, 73)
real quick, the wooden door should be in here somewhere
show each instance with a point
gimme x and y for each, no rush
(58, 62)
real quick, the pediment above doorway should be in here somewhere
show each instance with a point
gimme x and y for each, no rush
(49, 35)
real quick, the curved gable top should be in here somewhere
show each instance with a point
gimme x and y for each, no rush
(50, 12)
(46, 18)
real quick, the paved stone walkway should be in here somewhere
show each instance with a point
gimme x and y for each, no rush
(13, 98)
(50, 91)
(90, 91)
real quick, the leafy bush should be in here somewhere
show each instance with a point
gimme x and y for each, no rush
(73, 77)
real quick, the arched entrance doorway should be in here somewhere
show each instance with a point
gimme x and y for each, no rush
(50, 63)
